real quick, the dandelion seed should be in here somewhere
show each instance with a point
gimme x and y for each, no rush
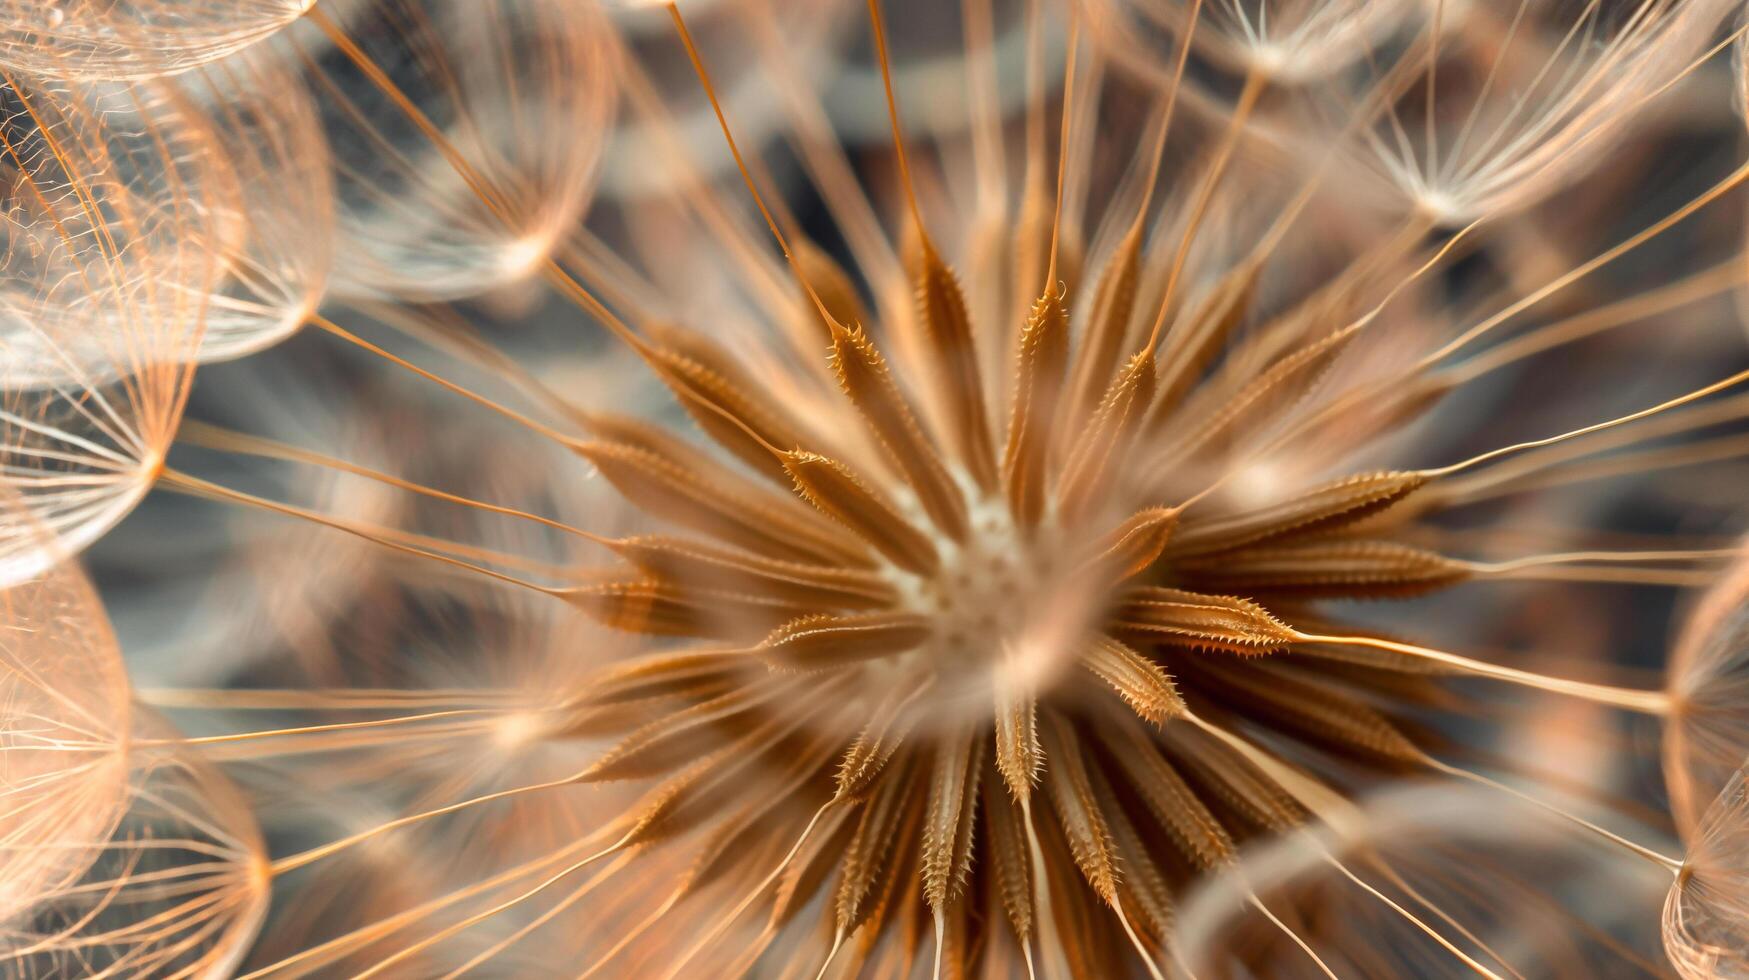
(1704, 915)
(268, 133)
(464, 136)
(114, 212)
(1504, 101)
(176, 883)
(122, 850)
(1296, 42)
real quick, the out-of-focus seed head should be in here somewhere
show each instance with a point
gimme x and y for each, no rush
(137, 39)
(66, 714)
(1708, 738)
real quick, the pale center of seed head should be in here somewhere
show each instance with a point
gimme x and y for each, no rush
(517, 729)
(981, 590)
(994, 603)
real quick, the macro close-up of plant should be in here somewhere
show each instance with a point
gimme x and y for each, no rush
(874, 488)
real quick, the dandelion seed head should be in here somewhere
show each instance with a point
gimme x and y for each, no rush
(1010, 488)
